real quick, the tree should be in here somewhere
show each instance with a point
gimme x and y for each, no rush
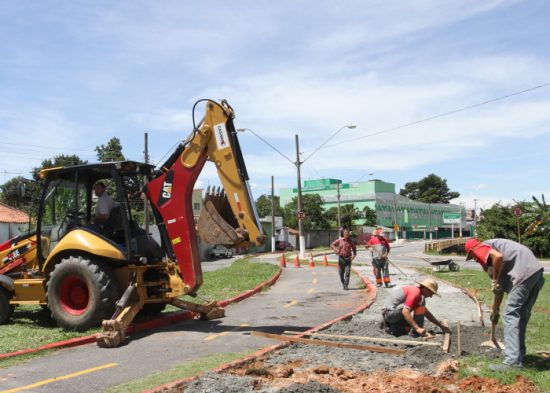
(430, 189)
(311, 205)
(370, 216)
(348, 214)
(57, 161)
(20, 193)
(110, 152)
(537, 232)
(263, 204)
(499, 222)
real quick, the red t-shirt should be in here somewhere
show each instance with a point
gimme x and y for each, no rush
(379, 240)
(413, 297)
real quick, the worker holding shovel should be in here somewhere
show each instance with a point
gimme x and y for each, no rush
(380, 248)
(514, 269)
(405, 309)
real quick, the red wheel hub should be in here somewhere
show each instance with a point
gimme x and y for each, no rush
(74, 295)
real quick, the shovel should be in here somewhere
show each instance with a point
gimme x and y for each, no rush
(493, 342)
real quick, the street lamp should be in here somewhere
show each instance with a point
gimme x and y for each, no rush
(298, 164)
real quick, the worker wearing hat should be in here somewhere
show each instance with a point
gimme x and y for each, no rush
(380, 248)
(514, 269)
(405, 309)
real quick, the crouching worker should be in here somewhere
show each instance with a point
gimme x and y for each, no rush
(405, 309)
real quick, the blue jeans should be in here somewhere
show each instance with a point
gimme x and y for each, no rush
(520, 302)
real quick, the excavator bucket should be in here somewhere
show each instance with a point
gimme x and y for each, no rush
(216, 224)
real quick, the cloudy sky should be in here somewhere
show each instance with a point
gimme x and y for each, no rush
(73, 74)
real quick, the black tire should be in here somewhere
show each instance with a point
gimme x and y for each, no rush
(152, 309)
(81, 293)
(454, 267)
(6, 309)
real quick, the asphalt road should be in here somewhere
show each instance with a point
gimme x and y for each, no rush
(302, 298)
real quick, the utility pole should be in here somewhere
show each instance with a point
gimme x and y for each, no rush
(338, 198)
(272, 213)
(395, 219)
(302, 239)
(430, 219)
(460, 230)
(475, 217)
(145, 201)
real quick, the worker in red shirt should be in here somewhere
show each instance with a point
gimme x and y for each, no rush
(380, 249)
(344, 247)
(405, 309)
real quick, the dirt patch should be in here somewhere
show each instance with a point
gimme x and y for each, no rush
(331, 380)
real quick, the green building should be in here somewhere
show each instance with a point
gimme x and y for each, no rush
(413, 217)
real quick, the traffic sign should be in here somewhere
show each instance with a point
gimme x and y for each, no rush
(518, 212)
(301, 215)
(452, 218)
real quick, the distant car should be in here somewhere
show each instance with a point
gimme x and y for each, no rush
(220, 251)
(281, 245)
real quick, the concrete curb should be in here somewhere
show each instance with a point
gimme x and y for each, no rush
(371, 292)
(152, 324)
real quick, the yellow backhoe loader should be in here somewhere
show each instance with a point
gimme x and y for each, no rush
(89, 271)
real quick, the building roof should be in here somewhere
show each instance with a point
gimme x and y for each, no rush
(10, 215)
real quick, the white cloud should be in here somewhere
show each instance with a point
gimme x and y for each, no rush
(479, 186)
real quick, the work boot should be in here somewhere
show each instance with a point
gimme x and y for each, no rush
(345, 287)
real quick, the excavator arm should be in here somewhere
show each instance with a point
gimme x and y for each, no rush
(229, 217)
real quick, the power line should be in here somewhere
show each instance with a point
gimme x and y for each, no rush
(441, 115)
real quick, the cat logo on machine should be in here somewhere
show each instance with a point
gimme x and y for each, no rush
(166, 192)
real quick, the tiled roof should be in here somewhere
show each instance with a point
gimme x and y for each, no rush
(12, 215)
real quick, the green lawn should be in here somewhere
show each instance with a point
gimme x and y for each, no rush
(538, 332)
(31, 326)
(183, 370)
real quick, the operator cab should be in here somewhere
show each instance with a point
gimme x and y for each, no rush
(69, 201)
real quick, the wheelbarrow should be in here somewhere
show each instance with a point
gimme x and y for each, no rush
(443, 264)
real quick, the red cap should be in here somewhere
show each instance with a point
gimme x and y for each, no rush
(478, 251)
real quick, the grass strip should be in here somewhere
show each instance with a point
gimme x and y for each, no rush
(537, 369)
(183, 370)
(32, 326)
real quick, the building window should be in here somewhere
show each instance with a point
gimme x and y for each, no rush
(196, 206)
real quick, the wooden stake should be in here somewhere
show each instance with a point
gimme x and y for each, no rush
(329, 343)
(374, 339)
(472, 295)
(458, 339)
(447, 338)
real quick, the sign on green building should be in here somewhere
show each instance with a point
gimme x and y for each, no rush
(451, 218)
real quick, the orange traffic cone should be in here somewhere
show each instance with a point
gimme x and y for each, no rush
(311, 263)
(282, 262)
(325, 261)
(297, 261)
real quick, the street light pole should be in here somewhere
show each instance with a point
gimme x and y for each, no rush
(430, 218)
(302, 239)
(338, 198)
(272, 214)
(298, 163)
(475, 217)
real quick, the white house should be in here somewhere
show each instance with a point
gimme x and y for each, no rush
(11, 220)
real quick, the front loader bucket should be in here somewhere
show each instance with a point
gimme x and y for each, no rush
(216, 222)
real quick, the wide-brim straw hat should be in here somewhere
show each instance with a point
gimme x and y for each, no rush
(431, 284)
